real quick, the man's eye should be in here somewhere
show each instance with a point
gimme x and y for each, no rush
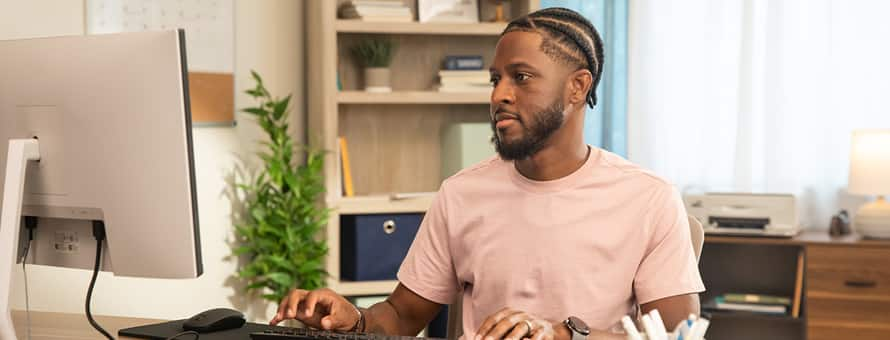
(522, 77)
(493, 81)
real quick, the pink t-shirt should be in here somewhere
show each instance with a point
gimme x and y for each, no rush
(588, 245)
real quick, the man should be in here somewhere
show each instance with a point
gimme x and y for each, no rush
(551, 229)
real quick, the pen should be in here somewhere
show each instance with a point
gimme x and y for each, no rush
(630, 329)
(659, 324)
(649, 327)
(699, 328)
(682, 330)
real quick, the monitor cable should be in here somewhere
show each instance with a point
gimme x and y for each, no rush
(99, 234)
(30, 224)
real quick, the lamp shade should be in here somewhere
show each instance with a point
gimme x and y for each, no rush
(870, 163)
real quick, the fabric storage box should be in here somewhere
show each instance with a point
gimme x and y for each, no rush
(372, 247)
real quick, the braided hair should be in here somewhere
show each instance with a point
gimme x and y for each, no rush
(568, 37)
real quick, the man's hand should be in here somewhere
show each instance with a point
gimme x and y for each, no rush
(322, 308)
(515, 325)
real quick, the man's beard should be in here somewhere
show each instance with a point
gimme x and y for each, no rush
(534, 136)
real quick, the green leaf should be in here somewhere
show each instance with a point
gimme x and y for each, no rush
(280, 232)
(280, 278)
(256, 77)
(280, 108)
(255, 110)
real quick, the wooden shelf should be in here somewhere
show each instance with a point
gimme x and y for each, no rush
(412, 97)
(359, 288)
(358, 26)
(723, 315)
(381, 205)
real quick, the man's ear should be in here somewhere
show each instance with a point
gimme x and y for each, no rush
(580, 82)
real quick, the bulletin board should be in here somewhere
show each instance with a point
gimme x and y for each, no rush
(209, 34)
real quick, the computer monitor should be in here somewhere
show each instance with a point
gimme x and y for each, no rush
(110, 114)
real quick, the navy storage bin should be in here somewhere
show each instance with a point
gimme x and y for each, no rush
(372, 247)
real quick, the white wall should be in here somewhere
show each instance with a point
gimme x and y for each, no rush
(40, 18)
(269, 39)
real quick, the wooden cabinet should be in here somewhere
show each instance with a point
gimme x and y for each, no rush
(848, 291)
(846, 285)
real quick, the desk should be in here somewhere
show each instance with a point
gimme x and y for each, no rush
(843, 284)
(66, 326)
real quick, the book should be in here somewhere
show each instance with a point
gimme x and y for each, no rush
(720, 304)
(464, 62)
(465, 88)
(756, 299)
(466, 82)
(377, 3)
(348, 190)
(798, 285)
(464, 73)
(376, 10)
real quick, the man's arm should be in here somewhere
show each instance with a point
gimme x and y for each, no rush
(674, 309)
(403, 313)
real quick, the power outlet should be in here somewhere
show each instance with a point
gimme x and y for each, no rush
(66, 242)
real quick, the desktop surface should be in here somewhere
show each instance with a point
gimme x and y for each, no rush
(74, 326)
(71, 326)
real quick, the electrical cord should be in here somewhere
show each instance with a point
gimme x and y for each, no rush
(99, 234)
(27, 300)
(30, 224)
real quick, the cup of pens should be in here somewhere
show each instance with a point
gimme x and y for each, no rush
(693, 328)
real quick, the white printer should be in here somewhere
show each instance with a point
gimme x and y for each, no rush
(745, 214)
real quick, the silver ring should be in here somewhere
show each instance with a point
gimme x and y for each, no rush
(529, 325)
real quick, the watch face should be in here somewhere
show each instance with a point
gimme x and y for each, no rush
(577, 325)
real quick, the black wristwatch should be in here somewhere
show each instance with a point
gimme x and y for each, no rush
(579, 328)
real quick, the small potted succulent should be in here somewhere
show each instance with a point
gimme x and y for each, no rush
(375, 55)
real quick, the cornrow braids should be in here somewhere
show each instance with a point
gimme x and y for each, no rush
(568, 37)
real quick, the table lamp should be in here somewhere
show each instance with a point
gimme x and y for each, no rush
(870, 175)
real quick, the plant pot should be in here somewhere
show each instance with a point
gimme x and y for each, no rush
(377, 79)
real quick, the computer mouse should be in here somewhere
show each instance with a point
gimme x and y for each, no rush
(213, 320)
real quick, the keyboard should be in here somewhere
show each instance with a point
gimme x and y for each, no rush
(279, 333)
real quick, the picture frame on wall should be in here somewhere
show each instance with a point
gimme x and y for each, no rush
(456, 11)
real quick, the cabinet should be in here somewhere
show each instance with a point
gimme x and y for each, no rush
(845, 285)
(848, 292)
(393, 138)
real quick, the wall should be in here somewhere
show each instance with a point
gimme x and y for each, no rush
(269, 39)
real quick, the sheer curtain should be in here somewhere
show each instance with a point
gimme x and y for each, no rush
(757, 95)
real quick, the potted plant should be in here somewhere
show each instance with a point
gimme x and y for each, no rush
(375, 55)
(279, 234)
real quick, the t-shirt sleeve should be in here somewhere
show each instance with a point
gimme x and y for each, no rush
(669, 266)
(428, 269)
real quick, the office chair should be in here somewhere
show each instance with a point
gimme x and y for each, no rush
(455, 321)
(697, 234)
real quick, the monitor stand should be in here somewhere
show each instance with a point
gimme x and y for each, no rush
(20, 152)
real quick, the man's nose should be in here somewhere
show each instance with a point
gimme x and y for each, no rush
(502, 94)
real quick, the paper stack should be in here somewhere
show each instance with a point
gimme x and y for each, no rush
(464, 81)
(755, 303)
(376, 10)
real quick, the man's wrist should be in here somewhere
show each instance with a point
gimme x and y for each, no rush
(360, 323)
(562, 331)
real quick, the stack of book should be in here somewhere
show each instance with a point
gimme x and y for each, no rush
(464, 74)
(755, 303)
(376, 10)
